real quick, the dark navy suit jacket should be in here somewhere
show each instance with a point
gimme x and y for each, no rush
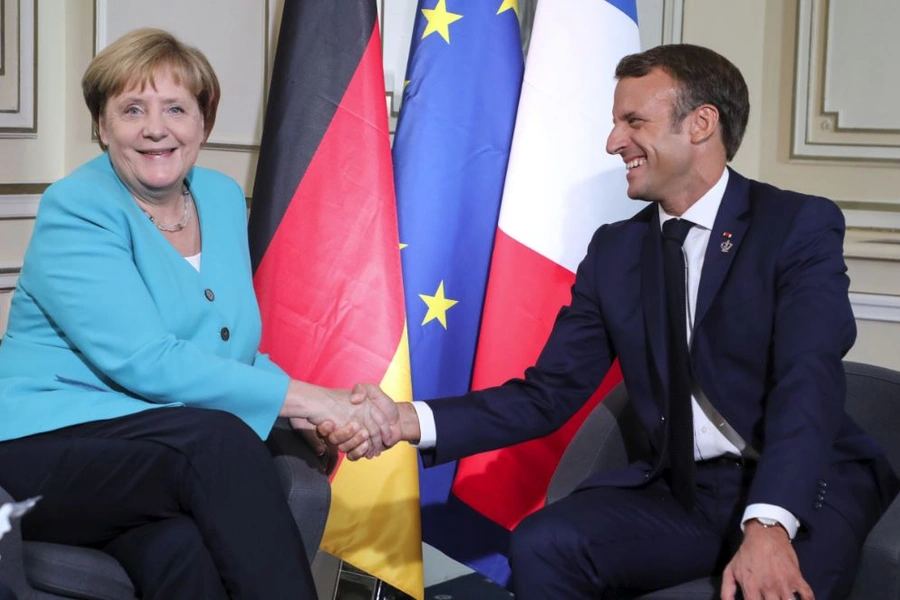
(773, 321)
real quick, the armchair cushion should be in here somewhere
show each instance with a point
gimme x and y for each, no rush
(73, 572)
(604, 441)
(878, 575)
(304, 477)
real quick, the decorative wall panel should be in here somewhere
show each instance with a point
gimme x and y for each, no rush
(846, 80)
(18, 69)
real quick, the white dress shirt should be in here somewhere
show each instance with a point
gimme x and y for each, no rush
(709, 442)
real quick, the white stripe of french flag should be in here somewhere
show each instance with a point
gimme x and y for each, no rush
(561, 185)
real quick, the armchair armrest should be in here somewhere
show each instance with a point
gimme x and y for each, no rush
(878, 575)
(305, 479)
(608, 438)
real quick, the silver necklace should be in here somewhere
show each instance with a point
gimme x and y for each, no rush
(185, 218)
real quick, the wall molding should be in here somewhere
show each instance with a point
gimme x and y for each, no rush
(875, 307)
(878, 214)
(9, 275)
(673, 21)
(19, 206)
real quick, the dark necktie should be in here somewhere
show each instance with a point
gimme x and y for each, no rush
(681, 426)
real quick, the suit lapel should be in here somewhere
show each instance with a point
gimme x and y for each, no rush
(653, 295)
(724, 241)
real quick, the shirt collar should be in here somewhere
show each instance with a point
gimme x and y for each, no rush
(702, 213)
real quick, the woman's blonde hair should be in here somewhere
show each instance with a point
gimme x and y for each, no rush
(136, 58)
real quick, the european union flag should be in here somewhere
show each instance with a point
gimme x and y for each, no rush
(450, 154)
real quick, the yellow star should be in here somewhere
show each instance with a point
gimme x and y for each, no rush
(402, 245)
(509, 4)
(437, 306)
(439, 20)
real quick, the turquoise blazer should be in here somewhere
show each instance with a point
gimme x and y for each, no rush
(108, 319)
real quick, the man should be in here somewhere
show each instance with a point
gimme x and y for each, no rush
(734, 371)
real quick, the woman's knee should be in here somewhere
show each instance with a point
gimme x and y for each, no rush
(220, 432)
(167, 558)
(214, 421)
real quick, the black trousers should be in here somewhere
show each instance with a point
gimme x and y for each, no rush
(617, 542)
(187, 499)
(6, 593)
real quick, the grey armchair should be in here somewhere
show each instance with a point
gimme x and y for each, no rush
(44, 571)
(605, 441)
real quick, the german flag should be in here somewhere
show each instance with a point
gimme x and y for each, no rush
(326, 258)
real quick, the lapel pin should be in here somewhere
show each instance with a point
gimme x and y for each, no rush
(726, 245)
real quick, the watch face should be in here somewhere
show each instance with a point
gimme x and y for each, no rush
(767, 522)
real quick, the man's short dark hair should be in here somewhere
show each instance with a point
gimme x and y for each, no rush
(703, 77)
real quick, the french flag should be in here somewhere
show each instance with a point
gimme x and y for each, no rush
(561, 185)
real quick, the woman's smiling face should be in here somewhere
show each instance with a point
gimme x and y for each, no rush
(153, 133)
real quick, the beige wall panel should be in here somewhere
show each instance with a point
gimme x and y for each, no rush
(876, 343)
(79, 50)
(14, 236)
(41, 159)
(17, 73)
(710, 23)
(5, 298)
(870, 276)
(844, 106)
(875, 182)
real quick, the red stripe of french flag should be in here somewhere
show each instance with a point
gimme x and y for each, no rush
(560, 186)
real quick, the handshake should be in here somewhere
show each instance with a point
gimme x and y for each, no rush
(362, 422)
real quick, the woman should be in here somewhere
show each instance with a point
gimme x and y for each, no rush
(136, 294)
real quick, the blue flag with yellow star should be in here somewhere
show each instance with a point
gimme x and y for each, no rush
(450, 154)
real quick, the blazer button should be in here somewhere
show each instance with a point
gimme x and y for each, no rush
(225, 334)
(209, 294)
(817, 505)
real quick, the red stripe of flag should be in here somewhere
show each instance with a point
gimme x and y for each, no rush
(513, 331)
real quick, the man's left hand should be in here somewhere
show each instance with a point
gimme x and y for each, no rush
(765, 567)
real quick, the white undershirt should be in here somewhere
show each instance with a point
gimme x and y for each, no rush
(708, 440)
(194, 260)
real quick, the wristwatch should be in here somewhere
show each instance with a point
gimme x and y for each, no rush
(767, 522)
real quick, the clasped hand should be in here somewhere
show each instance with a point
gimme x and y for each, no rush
(362, 423)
